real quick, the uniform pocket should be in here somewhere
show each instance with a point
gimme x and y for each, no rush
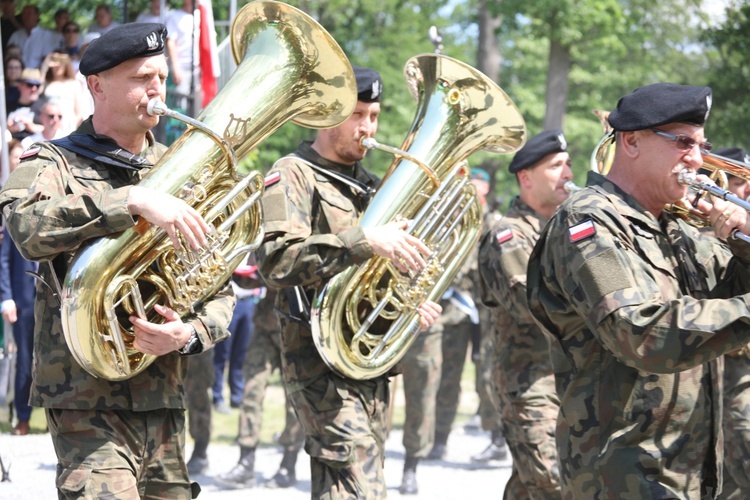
(71, 482)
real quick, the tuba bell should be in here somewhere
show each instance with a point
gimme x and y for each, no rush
(289, 68)
(365, 318)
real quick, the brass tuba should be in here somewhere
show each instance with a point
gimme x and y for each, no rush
(365, 318)
(289, 68)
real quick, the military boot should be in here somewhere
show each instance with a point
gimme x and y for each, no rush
(242, 475)
(497, 450)
(438, 449)
(286, 476)
(198, 463)
(409, 481)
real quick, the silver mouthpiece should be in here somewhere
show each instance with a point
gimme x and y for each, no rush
(156, 107)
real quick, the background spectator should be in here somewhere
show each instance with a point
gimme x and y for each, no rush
(61, 86)
(42, 41)
(102, 20)
(22, 113)
(51, 117)
(29, 20)
(13, 70)
(8, 21)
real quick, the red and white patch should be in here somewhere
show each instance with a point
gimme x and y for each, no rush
(272, 178)
(31, 152)
(504, 236)
(582, 231)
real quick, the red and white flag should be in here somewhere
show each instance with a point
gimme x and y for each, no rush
(582, 231)
(208, 52)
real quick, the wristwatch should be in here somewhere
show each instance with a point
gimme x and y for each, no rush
(193, 344)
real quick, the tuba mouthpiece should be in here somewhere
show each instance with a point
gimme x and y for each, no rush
(156, 107)
(368, 143)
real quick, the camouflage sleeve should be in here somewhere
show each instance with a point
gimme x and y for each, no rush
(632, 301)
(212, 320)
(49, 210)
(293, 252)
(503, 256)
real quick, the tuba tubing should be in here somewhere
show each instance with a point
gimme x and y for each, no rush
(288, 68)
(365, 318)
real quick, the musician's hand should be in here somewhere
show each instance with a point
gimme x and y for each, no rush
(724, 216)
(160, 339)
(429, 312)
(169, 213)
(393, 242)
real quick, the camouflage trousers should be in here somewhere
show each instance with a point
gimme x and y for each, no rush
(345, 426)
(198, 382)
(421, 372)
(455, 345)
(490, 417)
(736, 427)
(120, 454)
(529, 420)
(263, 357)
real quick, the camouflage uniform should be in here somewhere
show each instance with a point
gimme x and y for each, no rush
(312, 235)
(198, 381)
(636, 359)
(263, 357)
(432, 369)
(523, 381)
(420, 367)
(484, 359)
(736, 425)
(55, 200)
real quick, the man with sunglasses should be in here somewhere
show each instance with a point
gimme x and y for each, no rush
(639, 307)
(51, 118)
(23, 113)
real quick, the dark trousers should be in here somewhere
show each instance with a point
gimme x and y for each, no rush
(233, 350)
(23, 333)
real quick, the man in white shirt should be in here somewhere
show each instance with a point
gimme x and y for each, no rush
(51, 118)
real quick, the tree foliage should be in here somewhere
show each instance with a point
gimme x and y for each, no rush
(615, 46)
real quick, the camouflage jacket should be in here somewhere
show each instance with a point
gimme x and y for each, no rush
(54, 201)
(638, 311)
(311, 235)
(521, 349)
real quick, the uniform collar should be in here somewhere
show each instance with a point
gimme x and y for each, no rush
(356, 171)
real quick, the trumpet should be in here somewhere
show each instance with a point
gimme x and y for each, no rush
(690, 178)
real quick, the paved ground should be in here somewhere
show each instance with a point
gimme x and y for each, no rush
(32, 470)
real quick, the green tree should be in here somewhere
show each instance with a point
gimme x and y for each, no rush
(728, 77)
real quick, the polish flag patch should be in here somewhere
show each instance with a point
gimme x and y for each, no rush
(272, 178)
(582, 231)
(504, 236)
(31, 152)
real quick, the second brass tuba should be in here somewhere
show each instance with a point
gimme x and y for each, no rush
(365, 318)
(289, 68)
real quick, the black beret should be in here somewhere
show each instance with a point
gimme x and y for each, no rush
(737, 154)
(659, 104)
(369, 84)
(120, 44)
(536, 148)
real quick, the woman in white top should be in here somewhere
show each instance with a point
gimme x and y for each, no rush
(62, 87)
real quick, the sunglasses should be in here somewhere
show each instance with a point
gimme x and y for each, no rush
(683, 142)
(74, 30)
(32, 85)
(53, 116)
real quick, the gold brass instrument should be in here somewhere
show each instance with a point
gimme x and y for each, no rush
(718, 167)
(289, 68)
(365, 318)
